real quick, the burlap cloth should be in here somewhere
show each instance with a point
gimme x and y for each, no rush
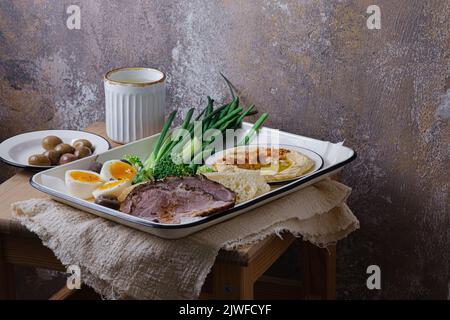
(123, 263)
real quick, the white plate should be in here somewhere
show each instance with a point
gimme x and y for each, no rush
(16, 150)
(51, 181)
(314, 156)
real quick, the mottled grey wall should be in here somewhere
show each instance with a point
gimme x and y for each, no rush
(313, 65)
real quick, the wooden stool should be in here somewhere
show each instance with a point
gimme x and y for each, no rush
(237, 274)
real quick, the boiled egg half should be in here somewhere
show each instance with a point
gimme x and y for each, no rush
(117, 170)
(81, 183)
(111, 188)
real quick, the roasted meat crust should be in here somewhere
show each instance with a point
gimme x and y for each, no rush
(169, 200)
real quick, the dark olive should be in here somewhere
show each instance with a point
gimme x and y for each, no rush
(64, 148)
(82, 143)
(50, 142)
(53, 155)
(39, 160)
(82, 152)
(96, 166)
(108, 201)
(66, 158)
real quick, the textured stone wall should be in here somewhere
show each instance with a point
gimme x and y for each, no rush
(313, 65)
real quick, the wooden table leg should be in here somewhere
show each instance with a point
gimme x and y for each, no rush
(319, 271)
(7, 278)
(231, 281)
(235, 273)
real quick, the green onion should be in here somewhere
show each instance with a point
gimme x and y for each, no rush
(243, 115)
(254, 129)
(233, 105)
(230, 85)
(209, 110)
(215, 113)
(169, 143)
(209, 107)
(198, 158)
(226, 118)
(162, 135)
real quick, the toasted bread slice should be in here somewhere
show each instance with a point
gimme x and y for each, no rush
(247, 184)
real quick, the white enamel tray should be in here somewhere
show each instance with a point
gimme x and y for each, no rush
(51, 181)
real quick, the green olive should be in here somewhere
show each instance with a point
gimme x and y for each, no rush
(82, 152)
(82, 142)
(66, 158)
(64, 148)
(53, 155)
(39, 160)
(50, 142)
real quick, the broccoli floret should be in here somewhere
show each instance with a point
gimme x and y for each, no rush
(205, 169)
(143, 174)
(166, 168)
(133, 160)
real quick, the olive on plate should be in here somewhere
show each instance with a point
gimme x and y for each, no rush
(64, 148)
(82, 152)
(82, 143)
(53, 155)
(50, 142)
(108, 201)
(39, 160)
(96, 166)
(67, 157)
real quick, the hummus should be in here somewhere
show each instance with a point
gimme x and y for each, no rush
(272, 163)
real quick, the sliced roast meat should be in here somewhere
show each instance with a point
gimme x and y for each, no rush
(201, 183)
(173, 198)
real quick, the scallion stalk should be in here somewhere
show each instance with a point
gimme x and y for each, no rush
(243, 115)
(226, 118)
(254, 129)
(151, 160)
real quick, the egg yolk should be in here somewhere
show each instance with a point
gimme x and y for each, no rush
(121, 170)
(84, 176)
(109, 185)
